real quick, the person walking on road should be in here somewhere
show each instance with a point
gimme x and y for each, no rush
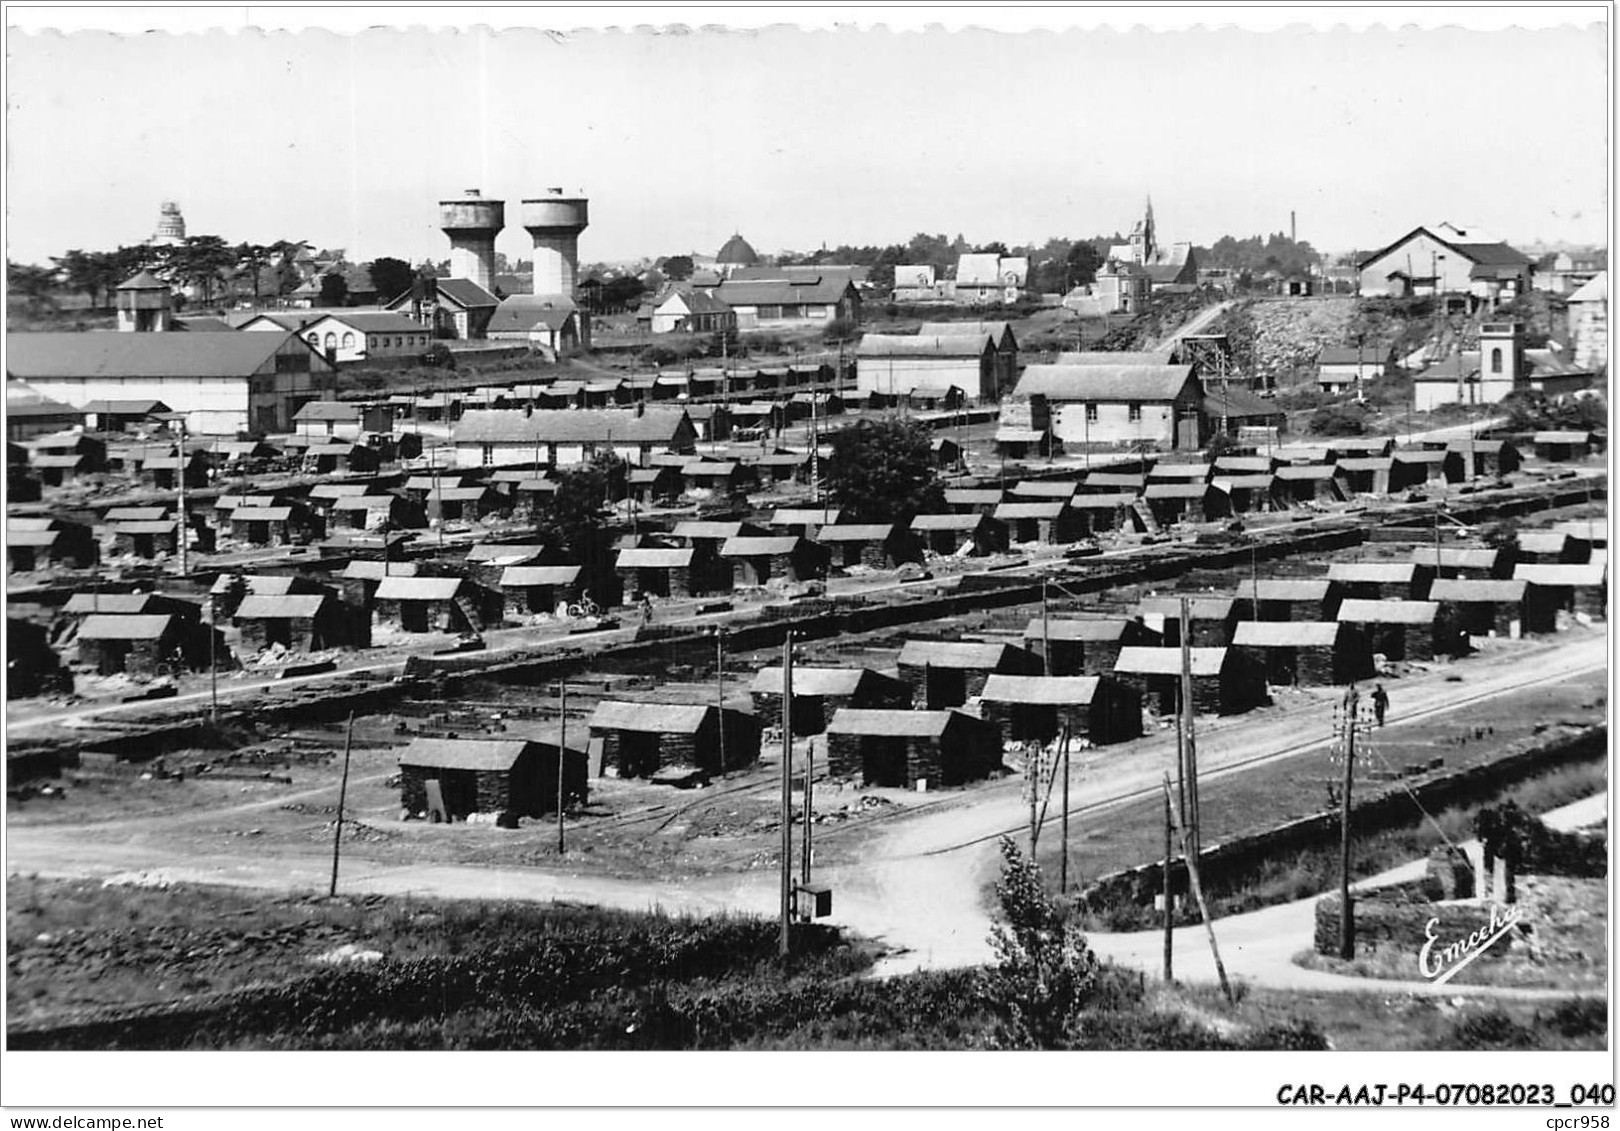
(1380, 701)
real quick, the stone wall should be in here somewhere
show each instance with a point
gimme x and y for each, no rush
(1398, 920)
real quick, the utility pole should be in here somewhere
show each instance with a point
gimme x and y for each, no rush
(1046, 628)
(213, 658)
(438, 489)
(1063, 863)
(1198, 895)
(1190, 745)
(787, 791)
(720, 688)
(1347, 927)
(807, 854)
(184, 529)
(1254, 581)
(343, 794)
(1169, 899)
(562, 758)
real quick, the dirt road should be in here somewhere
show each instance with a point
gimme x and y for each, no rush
(916, 884)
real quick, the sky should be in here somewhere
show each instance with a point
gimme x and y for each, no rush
(801, 137)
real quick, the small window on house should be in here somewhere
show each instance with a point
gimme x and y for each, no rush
(489, 455)
(348, 341)
(1496, 360)
(315, 341)
(1091, 414)
(331, 340)
(1135, 411)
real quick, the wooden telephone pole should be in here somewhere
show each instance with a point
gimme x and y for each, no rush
(562, 760)
(784, 944)
(1347, 926)
(343, 796)
(1189, 740)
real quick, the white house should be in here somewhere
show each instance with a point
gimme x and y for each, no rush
(1344, 369)
(917, 282)
(984, 277)
(893, 365)
(1589, 323)
(1446, 260)
(1120, 404)
(367, 335)
(692, 312)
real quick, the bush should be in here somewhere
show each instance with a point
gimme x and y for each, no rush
(438, 356)
(1339, 420)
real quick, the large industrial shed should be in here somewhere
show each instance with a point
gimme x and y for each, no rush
(1035, 708)
(908, 748)
(509, 778)
(948, 673)
(1306, 653)
(1087, 647)
(820, 693)
(639, 739)
(1224, 681)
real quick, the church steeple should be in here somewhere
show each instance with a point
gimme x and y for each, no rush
(1149, 245)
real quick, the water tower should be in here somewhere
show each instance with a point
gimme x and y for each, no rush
(472, 223)
(145, 305)
(555, 221)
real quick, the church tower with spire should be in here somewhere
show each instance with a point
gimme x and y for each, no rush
(1150, 245)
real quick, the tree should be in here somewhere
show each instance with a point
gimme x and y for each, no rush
(92, 273)
(334, 289)
(577, 519)
(622, 293)
(841, 330)
(678, 267)
(1044, 971)
(202, 262)
(1083, 261)
(31, 285)
(391, 277)
(1339, 420)
(251, 260)
(1220, 444)
(883, 471)
(995, 247)
(438, 356)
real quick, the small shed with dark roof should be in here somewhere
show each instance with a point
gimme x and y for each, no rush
(436, 604)
(140, 645)
(509, 778)
(1399, 630)
(300, 622)
(639, 739)
(531, 589)
(1365, 475)
(899, 749)
(1577, 588)
(1306, 653)
(1289, 598)
(1089, 646)
(1481, 563)
(1306, 483)
(819, 693)
(656, 571)
(948, 673)
(1224, 680)
(1036, 708)
(1173, 502)
(1210, 620)
(1049, 522)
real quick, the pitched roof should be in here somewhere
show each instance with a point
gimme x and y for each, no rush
(1596, 289)
(1593, 573)
(714, 531)
(464, 753)
(654, 718)
(1477, 589)
(911, 345)
(522, 313)
(998, 331)
(1285, 589)
(1463, 556)
(466, 293)
(1198, 608)
(893, 723)
(1050, 510)
(817, 681)
(654, 557)
(296, 606)
(1176, 490)
(1354, 355)
(1305, 471)
(329, 410)
(750, 547)
(1358, 611)
(1059, 690)
(1286, 634)
(1114, 357)
(562, 426)
(378, 322)
(857, 532)
(1104, 382)
(1544, 541)
(260, 584)
(110, 354)
(261, 514)
(505, 553)
(100, 626)
(973, 496)
(375, 570)
(948, 521)
(397, 588)
(1046, 488)
(1138, 660)
(1380, 572)
(967, 655)
(523, 576)
(1102, 501)
(1100, 629)
(124, 604)
(794, 291)
(1132, 479)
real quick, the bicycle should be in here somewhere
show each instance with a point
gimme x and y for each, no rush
(584, 608)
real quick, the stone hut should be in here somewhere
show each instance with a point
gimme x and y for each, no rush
(1366, 475)
(974, 500)
(659, 572)
(1399, 630)
(1178, 501)
(1552, 547)
(1578, 588)
(360, 578)
(758, 561)
(819, 693)
(1306, 653)
(803, 522)
(143, 646)
(1382, 581)
(1472, 607)
(530, 589)
(948, 533)
(1036, 708)
(1561, 447)
(1416, 468)
(1210, 620)
(146, 539)
(639, 739)
(1051, 522)
(1089, 646)
(1103, 511)
(436, 604)
(1224, 681)
(901, 749)
(1481, 563)
(1307, 483)
(873, 545)
(510, 778)
(1288, 598)
(35, 543)
(946, 674)
(300, 623)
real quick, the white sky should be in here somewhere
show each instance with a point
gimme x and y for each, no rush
(799, 137)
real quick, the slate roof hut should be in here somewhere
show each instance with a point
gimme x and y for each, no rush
(510, 778)
(1224, 681)
(1306, 653)
(1089, 646)
(948, 673)
(1400, 630)
(1036, 708)
(1474, 607)
(820, 692)
(639, 739)
(903, 748)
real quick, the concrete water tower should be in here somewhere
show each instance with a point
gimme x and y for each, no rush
(555, 221)
(472, 223)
